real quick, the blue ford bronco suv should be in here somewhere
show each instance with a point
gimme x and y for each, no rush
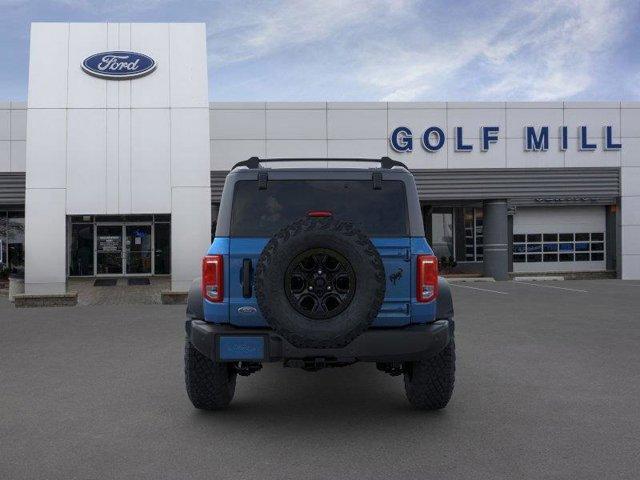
(319, 267)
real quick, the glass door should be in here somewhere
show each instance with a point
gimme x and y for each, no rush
(139, 249)
(442, 232)
(109, 250)
(162, 241)
(81, 250)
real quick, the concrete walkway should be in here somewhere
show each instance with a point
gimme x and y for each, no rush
(121, 293)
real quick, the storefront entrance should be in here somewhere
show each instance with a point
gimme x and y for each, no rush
(123, 249)
(455, 234)
(100, 246)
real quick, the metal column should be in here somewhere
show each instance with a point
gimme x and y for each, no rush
(495, 233)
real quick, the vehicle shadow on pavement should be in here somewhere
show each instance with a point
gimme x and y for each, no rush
(332, 397)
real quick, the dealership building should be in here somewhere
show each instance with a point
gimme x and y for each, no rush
(114, 165)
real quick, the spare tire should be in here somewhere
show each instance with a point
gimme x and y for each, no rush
(320, 282)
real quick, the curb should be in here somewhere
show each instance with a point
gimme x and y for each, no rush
(173, 298)
(471, 279)
(68, 299)
(538, 279)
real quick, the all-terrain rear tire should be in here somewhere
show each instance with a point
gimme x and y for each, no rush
(342, 238)
(428, 383)
(210, 385)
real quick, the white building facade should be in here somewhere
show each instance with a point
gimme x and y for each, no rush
(100, 147)
(119, 177)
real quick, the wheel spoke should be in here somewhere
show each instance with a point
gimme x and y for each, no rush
(308, 302)
(320, 307)
(320, 260)
(340, 268)
(320, 283)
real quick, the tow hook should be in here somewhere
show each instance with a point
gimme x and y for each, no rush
(309, 364)
(244, 369)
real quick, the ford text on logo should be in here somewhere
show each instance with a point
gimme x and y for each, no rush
(535, 139)
(118, 65)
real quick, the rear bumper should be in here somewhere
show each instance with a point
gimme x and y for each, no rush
(264, 345)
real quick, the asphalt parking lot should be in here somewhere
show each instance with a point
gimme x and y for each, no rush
(548, 386)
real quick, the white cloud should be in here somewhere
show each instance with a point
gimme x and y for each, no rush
(247, 33)
(102, 7)
(401, 49)
(406, 50)
(546, 51)
(569, 50)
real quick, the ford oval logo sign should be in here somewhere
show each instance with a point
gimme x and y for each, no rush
(118, 65)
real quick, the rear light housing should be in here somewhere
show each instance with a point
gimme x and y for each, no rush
(427, 278)
(213, 278)
(319, 213)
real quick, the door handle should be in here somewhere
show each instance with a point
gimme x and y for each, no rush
(396, 309)
(404, 254)
(247, 270)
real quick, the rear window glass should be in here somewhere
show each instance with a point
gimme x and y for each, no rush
(259, 213)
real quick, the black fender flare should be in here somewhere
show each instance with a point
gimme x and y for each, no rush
(195, 307)
(444, 307)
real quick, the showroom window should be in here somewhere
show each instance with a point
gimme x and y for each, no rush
(81, 250)
(455, 234)
(11, 242)
(162, 239)
(558, 247)
(120, 245)
(473, 218)
(442, 232)
(4, 268)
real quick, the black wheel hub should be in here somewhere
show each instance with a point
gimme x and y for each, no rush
(320, 283)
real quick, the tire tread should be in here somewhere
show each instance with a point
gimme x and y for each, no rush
(210, 385)
(429, 383)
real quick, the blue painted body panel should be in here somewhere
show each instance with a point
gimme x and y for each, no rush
(399, 308)
(242, 248)
(396, 256)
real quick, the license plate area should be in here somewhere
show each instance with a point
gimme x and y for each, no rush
(240, 348)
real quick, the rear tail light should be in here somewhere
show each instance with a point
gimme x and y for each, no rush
(319, 213)
(427, 278)
(212, 278)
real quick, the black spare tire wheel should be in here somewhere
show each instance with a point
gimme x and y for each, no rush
(320, 282)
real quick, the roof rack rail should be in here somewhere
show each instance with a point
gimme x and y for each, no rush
(254, 162)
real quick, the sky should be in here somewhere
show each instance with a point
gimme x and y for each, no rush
(377, 50)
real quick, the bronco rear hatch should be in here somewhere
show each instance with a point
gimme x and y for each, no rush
(263, 205)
